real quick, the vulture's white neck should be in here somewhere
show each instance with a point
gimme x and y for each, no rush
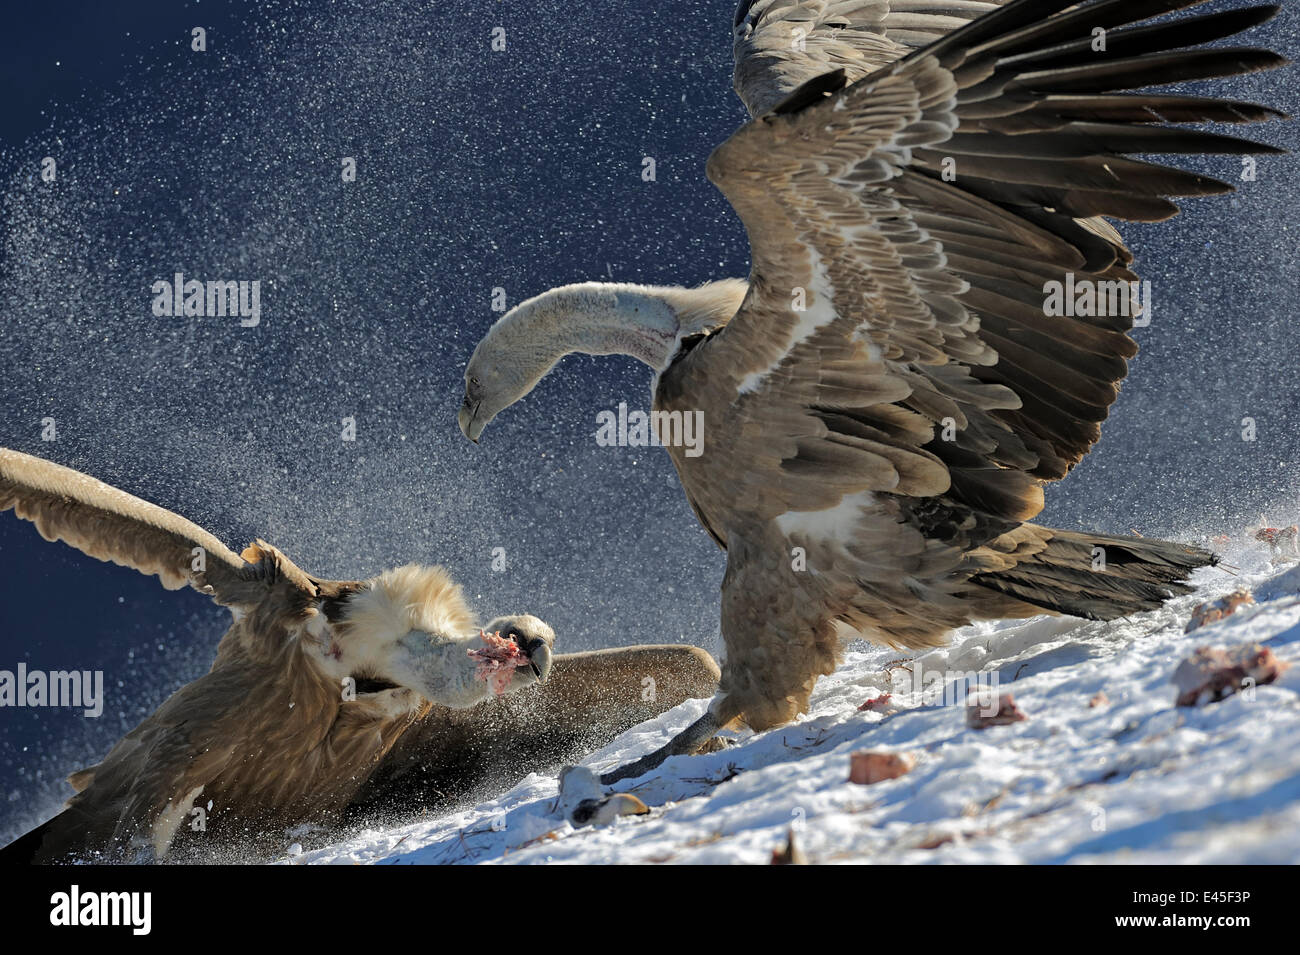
(645, 321)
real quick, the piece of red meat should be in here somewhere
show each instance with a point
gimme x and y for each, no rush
(869, 767)
(1213, 611)
(880, 704)
(986, 709)
(1212, 673)
(497, 660)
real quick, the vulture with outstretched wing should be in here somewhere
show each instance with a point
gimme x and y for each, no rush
(326, 697)
(312, 683)
(934, 326)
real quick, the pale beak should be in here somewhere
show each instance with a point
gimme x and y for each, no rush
(539, 658)
(470, 427)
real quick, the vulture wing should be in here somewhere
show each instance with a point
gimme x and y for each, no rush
(782, 44)
(111, 525)
(904, 231)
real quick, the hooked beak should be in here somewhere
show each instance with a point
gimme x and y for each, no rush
(539, 658)
(470, 426)
(538, 652)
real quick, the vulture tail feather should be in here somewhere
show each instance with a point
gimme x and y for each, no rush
(1097, 576)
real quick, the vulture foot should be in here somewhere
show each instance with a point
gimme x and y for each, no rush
(716, 745)
(688, 742)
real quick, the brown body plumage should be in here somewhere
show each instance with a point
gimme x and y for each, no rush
(888, 393)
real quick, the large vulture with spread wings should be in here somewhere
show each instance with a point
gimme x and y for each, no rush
(887, 394)
(327, 698)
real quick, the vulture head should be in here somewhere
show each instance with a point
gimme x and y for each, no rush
(534, 637)
(484, 399)
(411, 628)
(508, 363)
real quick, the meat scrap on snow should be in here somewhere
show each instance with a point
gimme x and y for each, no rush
(1211, 674)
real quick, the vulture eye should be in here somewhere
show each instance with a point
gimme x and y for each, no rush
(372, 684)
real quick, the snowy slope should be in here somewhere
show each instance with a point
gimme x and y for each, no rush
(1134, 780)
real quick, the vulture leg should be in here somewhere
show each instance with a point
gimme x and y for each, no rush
(686, 743)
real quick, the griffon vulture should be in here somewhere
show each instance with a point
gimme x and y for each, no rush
(887, 394)
(312, 685)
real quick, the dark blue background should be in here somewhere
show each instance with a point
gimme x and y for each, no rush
(476, 169)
